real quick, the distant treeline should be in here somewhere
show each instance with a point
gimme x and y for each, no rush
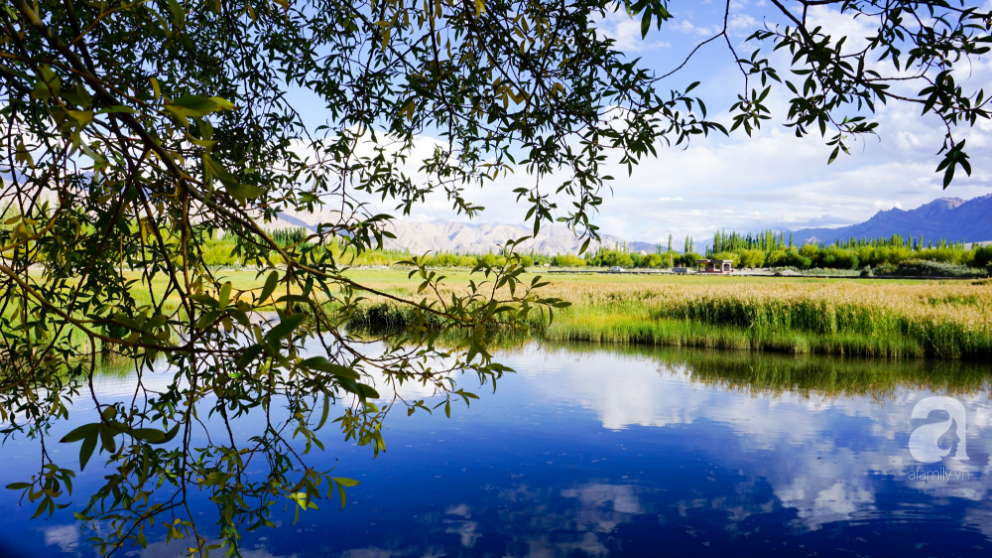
(768, 249)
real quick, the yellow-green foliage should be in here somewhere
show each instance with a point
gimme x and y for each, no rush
(752, 259)
(219, 253)
(568, 260)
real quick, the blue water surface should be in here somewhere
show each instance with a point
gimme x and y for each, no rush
(600, 453)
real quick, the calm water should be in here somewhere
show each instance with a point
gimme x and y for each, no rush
(589, 452)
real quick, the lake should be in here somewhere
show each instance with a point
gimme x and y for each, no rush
(587, 451)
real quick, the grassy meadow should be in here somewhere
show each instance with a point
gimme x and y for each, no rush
(949, 319)
(889, 319)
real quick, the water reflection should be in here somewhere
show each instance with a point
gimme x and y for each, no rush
(827, 435)
(587, 452)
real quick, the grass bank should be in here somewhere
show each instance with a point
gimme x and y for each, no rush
(868, 318)
(897, 319)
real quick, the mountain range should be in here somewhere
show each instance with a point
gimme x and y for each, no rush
(420, 237)
(444, 236)
(951, 219)
(945, 218)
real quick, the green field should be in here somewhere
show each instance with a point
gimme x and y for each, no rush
(949, 319)
(878, 318)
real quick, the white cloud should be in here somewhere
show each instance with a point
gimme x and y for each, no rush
(626, 31)
(66, 537)
(739, 183)
(687, 27)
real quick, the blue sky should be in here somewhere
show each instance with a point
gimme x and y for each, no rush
(774, 179)
(770, 180)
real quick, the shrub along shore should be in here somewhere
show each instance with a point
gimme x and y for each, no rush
(945, 320)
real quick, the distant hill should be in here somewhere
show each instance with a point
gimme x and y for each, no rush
(638, 246)
(946, 218)
(420, 237)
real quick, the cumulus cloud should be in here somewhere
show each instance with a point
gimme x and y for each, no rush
(771, 180)
(66, 537)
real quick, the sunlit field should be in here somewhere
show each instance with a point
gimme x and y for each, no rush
(949, 319)
(942, 319)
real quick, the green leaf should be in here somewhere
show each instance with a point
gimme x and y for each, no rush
(249, 354)
(179, 114)
(200, 105)
(18, 486)
(83, 116)
(293, 298)
(242, 191)
(86, 450)
(107, 440)
(178, 14)
(48, 83)
(367, 392)
(323, 415)
(231, 184)
(833, 155)
(287, 326)
(109, 411)
(45, 503)
(206, 300)
(169, 436)
(321, 364)
(150, 435)
(206, 319)
(79, 433)
(270, 286)
(225, 295)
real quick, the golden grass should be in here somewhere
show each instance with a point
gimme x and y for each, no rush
(944, 319)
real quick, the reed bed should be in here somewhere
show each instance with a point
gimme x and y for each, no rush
(948, 320)
(945, 320)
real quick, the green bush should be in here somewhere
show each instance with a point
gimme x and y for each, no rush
(651, 260)
(610, 258)
(983, 256)
(567, 260)
(752, 258)
(838, 258)
(219, 254)
(923, 268)
(688, 260)
(788, 258)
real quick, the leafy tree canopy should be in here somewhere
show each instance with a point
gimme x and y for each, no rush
(132, 131)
